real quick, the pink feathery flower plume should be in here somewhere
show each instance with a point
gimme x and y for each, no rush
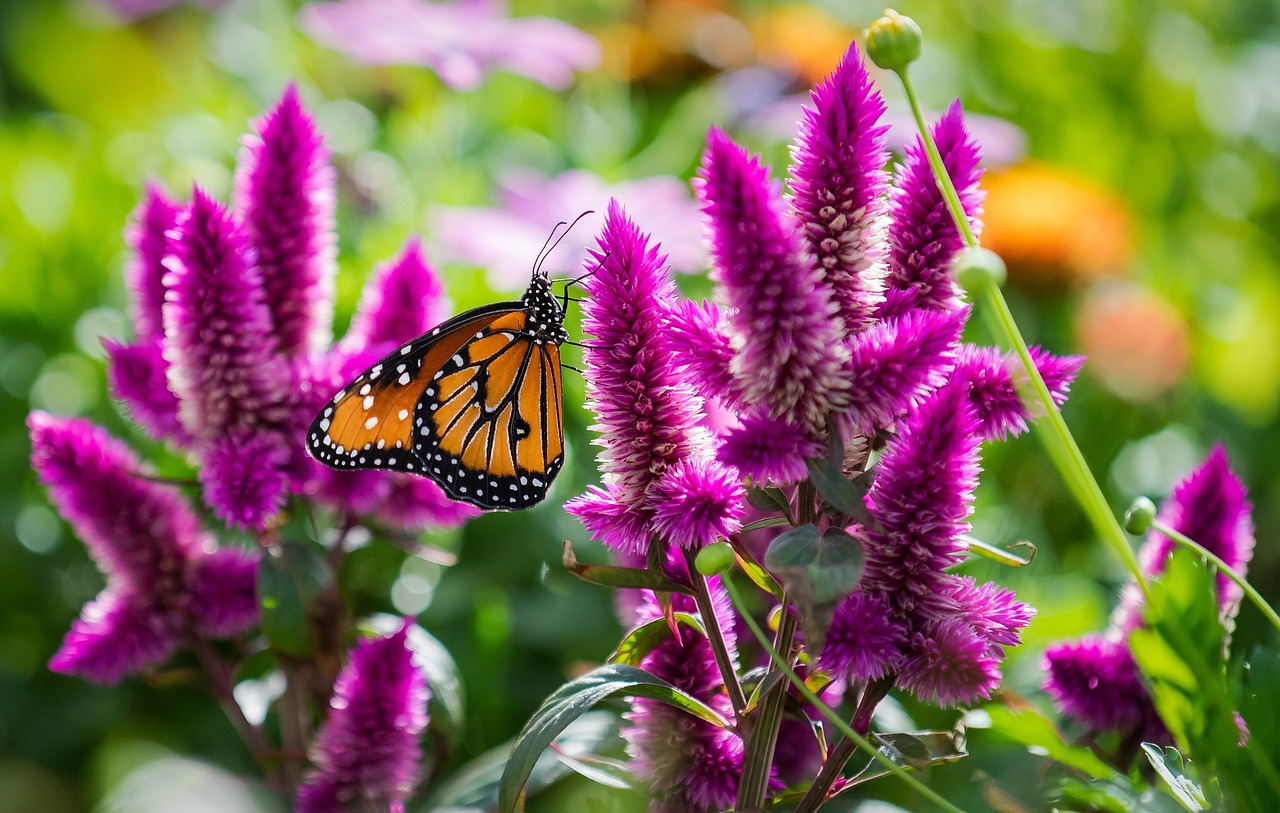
(658, 474)
(166, 580)
(923, 237)
(367, 753)
(1095, 679)
(838, 188)
(998, 387)
(284, 194)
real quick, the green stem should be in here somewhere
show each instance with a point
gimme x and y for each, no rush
(762, 739)
(829, 713)
(715, 638)
(1052, 430)
(1223, 567)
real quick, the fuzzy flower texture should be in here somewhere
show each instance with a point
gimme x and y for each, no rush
(835, 311)
(233, 312)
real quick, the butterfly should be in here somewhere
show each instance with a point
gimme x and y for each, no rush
(475, 404)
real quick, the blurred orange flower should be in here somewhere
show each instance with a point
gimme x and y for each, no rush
(1052, 227)
(1136, 342)
(802, 39)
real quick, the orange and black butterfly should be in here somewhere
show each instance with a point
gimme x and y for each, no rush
(475, 404)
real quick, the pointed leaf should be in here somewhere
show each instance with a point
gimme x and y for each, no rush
(645, 638)
(574, 699)
(291, 576)
(1169, 765)
(1004, 556)
(615, 577)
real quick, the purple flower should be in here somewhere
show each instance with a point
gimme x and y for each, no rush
(527, 204)
(998, 384)
(1095, 679)
(138, 375)
(769, 450)
(163, 580)
(461, 40)
(695, 333)
(284, 196)
(949, 663)
(144, 273)
(402, 299)
(367, 752)
(897, 363)
(838, 184)
(223, 364)
(690, 765)
(646, 415)
(922, 235)
(244, 477)
(787, 349)
(864, 642)
(696, 503)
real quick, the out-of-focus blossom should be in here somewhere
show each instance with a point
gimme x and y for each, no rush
(529, 204)
(1095, 679)
(802, 39)
(462, 41)
(1051, 227)
(166, 580)
(367, 753)
(1137, 342)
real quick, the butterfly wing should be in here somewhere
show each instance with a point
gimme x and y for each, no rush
(369, 423)
(490, 425)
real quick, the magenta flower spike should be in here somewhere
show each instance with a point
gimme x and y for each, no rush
(923, 237)
(997, 400)
(647, 415)
(838, 187)
(769, 450)
(403, 298)
(695, 331)
(165, 579)
(367, 752)
(1095, 679)
(782, 321)
(284, 195)
(144, 274)
(138, 375)
(223, 360)
(688, 764)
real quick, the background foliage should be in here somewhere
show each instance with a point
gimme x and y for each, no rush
(1135, 155)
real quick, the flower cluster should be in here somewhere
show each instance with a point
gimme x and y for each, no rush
(1095, 680)
(836, 324)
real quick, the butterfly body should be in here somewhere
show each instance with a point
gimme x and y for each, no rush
(474, 404)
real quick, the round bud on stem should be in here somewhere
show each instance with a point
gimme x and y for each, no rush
(894, 41)
(1138, 519)
(715, 559)
(977, 267)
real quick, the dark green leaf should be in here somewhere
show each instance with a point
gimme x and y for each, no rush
(615, 577)
(756, 572)
(917, 751)
(1028, 726)
(574, 699)
(767, 522)
(837, 490)
(768, 499)
(643, 639)
(818, 572)
(290, 577)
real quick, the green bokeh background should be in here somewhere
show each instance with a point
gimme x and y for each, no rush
(1174, 108)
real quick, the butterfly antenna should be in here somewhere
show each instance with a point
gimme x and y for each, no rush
(544, 251)
(537, 268)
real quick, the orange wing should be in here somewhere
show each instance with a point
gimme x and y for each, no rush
(490, 425)
(369, 423)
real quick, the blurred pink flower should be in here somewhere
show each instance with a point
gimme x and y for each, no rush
(461, 40)
(529, 205)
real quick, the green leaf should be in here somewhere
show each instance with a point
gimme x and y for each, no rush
(767, 522)
(917, 751)
(1029, 727)
(643, 639)
(818, 571)
(615, 577)
(1260, 687)
(574, 699)
(842, 494)
(1004, 556)
(291, 576)
(756, 572)
(1171, 768)
(768, 499)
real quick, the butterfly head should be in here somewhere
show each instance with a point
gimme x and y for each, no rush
(546, 316)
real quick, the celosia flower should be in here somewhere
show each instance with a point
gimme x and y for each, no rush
(144, 273)
(285, 197)
(923, 237)
(1095, 679)
(864, 640)
(997, 400)
(402, 298)
(461, 40)
(787, 349)
(165, 578)
(647, 416)
(767, 449)
(690, 765)
(696, 503)
(524, 199)
(838, 186)
(367, 753)
(138, 375)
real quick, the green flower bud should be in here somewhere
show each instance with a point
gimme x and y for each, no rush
(978, 267)
(1138, 519)
(715, 559)
(894, 41)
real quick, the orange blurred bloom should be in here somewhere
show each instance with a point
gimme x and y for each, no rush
(802, 39)
(1136, 342)
(1052, 227)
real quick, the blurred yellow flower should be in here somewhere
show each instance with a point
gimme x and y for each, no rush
(1052, 227)
(1136, 342)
